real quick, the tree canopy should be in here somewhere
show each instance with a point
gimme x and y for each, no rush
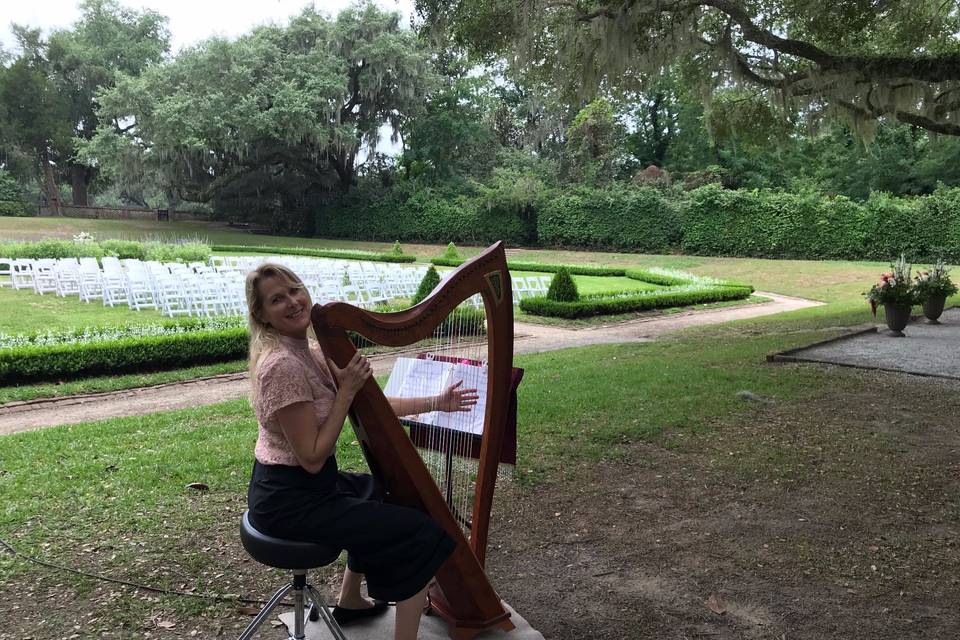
(262, 120)
(48, 94)
(860, 59)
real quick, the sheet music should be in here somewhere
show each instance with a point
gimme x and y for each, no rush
(416, 377)
(473, 377)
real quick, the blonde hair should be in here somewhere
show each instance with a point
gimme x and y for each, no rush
(263, 337)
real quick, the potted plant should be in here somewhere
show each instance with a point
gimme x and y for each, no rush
(931, 288)
(895, 292)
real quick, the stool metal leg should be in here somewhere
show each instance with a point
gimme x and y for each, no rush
(299, 583)
(332, 624)
(265, 612)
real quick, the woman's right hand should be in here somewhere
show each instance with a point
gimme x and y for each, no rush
(352, 377)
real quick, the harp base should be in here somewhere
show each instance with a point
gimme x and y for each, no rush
(460, 629)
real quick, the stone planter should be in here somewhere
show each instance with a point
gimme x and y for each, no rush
(898, 317)
(933, 308)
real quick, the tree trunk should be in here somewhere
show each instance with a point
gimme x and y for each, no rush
(50, 188)
(80, 180)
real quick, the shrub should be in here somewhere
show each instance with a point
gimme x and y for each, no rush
(574, 269)
(193, 252)
(397, 249)
(124, 249)
(451, 253)
(639, 219)
(563, 288)
(317, 253)
(190, 252)
(51, 249)
(63, 361)
(652, 277)
(640, 302)
(15, 209)
(430, 281)
(412, 211)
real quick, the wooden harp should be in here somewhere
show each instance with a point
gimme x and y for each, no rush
(462, 594)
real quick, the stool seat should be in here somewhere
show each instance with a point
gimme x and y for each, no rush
(284, 554)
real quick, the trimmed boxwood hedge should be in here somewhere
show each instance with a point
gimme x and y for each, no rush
(639, 219)
(317, 253)
(537, 267)
(61, 362)
(585, 307)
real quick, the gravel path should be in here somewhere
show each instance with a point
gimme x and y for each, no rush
(530, 338)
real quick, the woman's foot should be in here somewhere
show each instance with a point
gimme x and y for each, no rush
(358, 610)
(355, 602)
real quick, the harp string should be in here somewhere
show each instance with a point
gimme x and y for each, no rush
(450, 452)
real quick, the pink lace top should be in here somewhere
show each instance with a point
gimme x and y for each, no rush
(292, 373)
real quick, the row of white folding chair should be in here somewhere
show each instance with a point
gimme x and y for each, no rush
(529, 286)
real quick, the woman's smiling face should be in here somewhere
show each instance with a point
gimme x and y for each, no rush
(286, 307)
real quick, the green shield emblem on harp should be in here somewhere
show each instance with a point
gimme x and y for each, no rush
(495, 280)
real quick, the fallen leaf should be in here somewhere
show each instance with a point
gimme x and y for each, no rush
(248, 611)
(715, 602)
(166, 624)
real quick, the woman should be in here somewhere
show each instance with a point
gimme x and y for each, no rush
(296, 492)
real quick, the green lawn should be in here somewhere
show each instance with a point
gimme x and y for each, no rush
(24, 311)
(107, 479)
(114, 383)
(210, 232)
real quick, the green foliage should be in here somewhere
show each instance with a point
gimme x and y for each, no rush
(261, 124)
(15, 209)
(809, 225)
(894, 287)
(451, 253)
(60, 362)
(10, 190)
(415, 211)
(640, 219)
(124, 249)
(624, 304)
(397, 250)
(342, 254)
(844, 59)
(741, 117)
(562, 287)
(594, 142)
(574, 269)
(51, 249)
(934, 282)
(190, 252)
(430, 281)
(450, 138)
(656, 278)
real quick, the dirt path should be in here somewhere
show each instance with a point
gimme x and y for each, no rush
(530, 338)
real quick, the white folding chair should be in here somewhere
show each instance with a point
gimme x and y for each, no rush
(44, 276)
(6, 272)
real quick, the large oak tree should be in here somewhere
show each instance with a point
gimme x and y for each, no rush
(259, 123)
(862, 59)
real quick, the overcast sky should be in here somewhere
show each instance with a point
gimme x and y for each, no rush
(190, 20)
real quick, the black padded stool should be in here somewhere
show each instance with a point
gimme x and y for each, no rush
(299, 557)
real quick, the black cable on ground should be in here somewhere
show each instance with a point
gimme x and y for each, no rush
(135, 585)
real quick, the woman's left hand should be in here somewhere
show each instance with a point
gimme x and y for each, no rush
(457, 399)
